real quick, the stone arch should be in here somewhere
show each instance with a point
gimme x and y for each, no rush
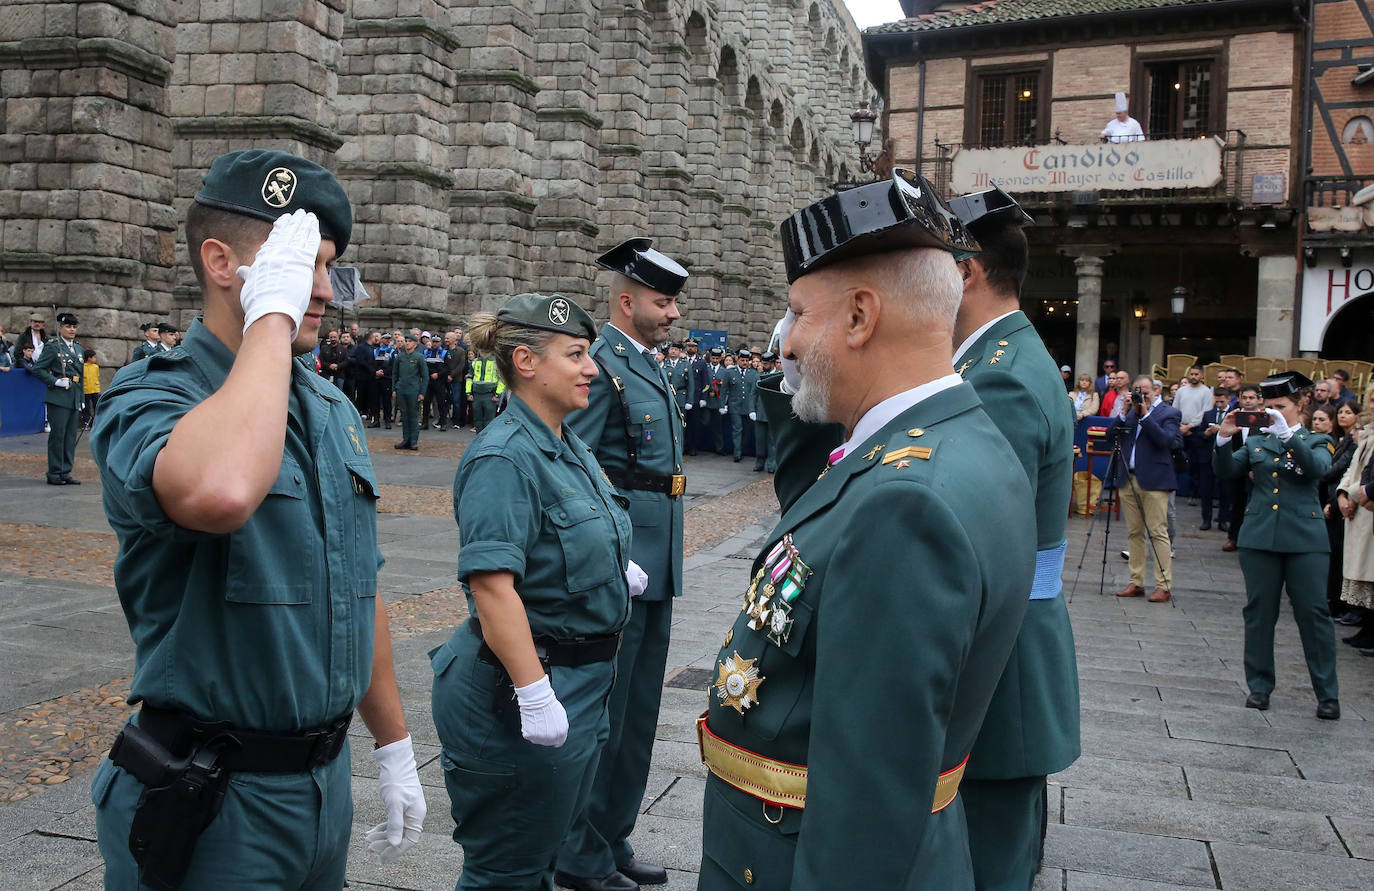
(815, 156)
(727, 73)
(844, 58)
(844, 171)
(753, 95)
(695, 36)
(798, 136)
(813, 17)
(775, 115)
(830, 43)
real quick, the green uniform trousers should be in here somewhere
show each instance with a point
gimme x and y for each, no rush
(63, 424)
(737, 433)
(513, 801)
(275, 830)
(1267, 573)
(599, 840)
(483, 408)
(409, 404)
(1006, 831)
(764, 458)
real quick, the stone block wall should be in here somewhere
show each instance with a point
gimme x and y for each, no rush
(488, 147)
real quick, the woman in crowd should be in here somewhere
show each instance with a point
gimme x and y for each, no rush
(1283, 543)
(1085, 398)
(1340, 426)
(1357, 566)
(520, 689)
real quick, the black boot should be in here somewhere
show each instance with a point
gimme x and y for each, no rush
(1361, 640)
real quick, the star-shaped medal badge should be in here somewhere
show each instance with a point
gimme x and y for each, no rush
(737, 684)
(780, 622)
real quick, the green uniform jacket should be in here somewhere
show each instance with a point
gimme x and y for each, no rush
(1283, 512)
(409, 373)
(146, 349)
(897, 640)
(680, 376)
(1032, 726)
(751, 400)
(801, 449)
(267, 627)
(540, 508)
(711, 387)
(734, 391)
(60, 361)
(656, 427)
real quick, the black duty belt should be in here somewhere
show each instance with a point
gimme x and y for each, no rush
(253, 751)
(567, 652)
(674, 484)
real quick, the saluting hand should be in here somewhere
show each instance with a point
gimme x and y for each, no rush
(282, 276)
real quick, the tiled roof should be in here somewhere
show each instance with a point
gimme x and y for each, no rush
(996, 12)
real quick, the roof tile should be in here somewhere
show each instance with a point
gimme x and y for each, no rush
(992, 12)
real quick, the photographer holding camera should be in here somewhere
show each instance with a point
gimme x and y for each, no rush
(1144, 476)
(1283, 543)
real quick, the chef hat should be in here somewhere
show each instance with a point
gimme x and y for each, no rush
(1120, 101)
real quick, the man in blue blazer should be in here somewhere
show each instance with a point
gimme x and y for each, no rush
(1144, 477)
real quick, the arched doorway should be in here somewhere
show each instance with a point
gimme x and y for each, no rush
(1350, 332)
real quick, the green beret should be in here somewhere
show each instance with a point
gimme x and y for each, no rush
(410, 336)
(552, 313)
(267, 184)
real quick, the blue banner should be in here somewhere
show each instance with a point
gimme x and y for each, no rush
(1091, 451)
(21, 403)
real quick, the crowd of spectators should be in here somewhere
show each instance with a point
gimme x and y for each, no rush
(1346, 490)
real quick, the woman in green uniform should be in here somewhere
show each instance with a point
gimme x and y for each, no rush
(520, 689)
(1283, 542)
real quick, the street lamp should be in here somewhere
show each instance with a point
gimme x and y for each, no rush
(862, 120)
(1178, 300)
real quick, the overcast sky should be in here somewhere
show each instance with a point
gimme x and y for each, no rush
(868, 13)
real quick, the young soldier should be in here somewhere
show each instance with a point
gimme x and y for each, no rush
(239, 484)
(1031, 729)
(410, 374)
(60, 367)
(633, 425)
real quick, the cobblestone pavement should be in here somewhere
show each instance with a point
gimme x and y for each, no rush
(1178, 786)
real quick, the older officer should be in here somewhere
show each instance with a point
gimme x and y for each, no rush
(249, 581)
(1283, 542)
(59, 366)
(521, 690)
(884, 604)
(1031, 729)
(633, 424)
(411, 376)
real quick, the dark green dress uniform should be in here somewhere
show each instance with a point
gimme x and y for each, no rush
(1031, 729)
(599, 842)
(268, 627)
(711, 390)
(411, 377)
(680, 378)
(146, 349)
(1283, 544)
(61, 360)
(881, 613)
(484, 385)
(736, 405)
(538, 507)
(764, 457)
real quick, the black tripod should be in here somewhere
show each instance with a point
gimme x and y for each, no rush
(1113, 463)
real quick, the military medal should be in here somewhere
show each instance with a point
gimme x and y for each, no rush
(737, 683)
(787, 575)
(780, 622)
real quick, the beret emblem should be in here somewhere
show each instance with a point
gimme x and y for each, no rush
(278, 188)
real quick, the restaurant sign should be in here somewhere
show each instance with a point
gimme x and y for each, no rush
(1121, 166)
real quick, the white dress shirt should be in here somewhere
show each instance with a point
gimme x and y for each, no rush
(879, 415)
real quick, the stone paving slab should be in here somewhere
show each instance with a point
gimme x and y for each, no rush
(1128, 855)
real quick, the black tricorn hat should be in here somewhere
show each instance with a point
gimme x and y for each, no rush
(168, 328)
(1285, 383)
(902, 212)
(66, 318)
(988, 205)
(636, 259)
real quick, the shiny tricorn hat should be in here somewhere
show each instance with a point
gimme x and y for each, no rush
(989, 205)
(1285, 383)
(66, 318)
(636, 259)
(902, 212)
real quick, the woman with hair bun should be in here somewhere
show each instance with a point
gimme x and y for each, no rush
(520, 689)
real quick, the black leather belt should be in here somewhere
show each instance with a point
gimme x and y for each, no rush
(674, 484)
(567, 652)
(253, 751)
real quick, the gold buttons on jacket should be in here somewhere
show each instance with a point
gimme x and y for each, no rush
(1276, 507)
(1276, 473)
(748, 877)
(1276, 491)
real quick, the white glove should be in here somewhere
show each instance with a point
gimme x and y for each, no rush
(637, 578)
(1277, 425)
(753, 416)
(722, 411)
(686, 406)
(542, 718)
(703, 403)
(404, 801)
(62, 382)
(283, 273)
(791, 378)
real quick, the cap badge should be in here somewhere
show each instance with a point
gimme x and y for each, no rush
(279, 186)
(559, 311)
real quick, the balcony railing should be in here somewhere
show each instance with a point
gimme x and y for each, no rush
(1332, 191)
(1231, 189)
